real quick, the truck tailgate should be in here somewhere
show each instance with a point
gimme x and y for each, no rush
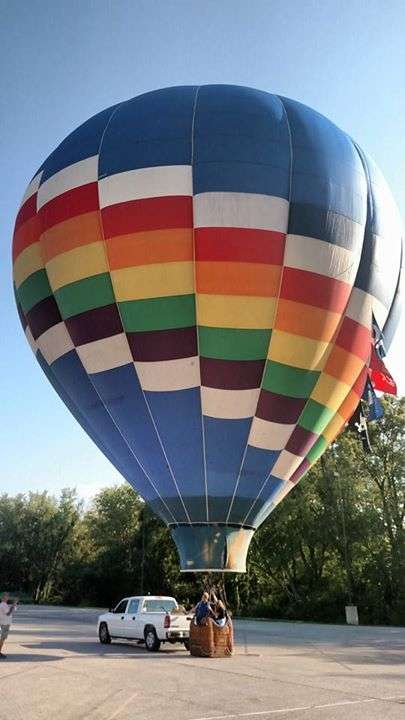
(180, 622)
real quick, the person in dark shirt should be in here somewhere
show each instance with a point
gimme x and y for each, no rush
(221, 615)
(203, 609)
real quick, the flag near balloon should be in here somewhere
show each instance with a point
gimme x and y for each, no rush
(198, 271)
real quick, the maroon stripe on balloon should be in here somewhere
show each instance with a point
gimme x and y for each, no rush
(301, 441)
(231, 374)
(239, 245)
(279, 408)
(299, 472)
(157, 345)
(43, 316)
(21, 314)
(94, 324)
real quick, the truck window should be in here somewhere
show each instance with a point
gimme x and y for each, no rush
(133, 607)
(157, 605)
(121, 607)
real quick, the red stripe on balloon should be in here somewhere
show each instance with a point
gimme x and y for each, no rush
(354, 338)
(25, 235)
(358, 386)
(239, 245)
(314, 289)
(74, 202)
(26, 211)
(147, 214)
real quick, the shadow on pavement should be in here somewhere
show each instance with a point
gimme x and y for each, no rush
(368, 656)
(90, 648)
(25, 657)
(48, 633)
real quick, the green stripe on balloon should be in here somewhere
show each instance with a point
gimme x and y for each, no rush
(290, 381)
(165, 313)
(233, 344)
(34, 289)
(317, 450)
(82, 295)
(315, 417)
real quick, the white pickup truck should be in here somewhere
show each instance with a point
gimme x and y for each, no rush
(150, 619)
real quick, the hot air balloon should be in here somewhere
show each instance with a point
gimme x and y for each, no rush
(198, 270)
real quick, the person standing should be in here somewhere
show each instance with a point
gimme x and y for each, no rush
(203, 609)
(6, 617)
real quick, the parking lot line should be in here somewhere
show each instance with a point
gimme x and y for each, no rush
(286, 710)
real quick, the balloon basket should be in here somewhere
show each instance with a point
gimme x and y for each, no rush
(210, 640)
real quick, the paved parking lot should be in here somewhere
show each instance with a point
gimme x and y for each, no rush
(56, 669)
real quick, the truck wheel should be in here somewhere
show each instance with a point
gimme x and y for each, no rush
(152, 641)
(103, 634)
(187, 644)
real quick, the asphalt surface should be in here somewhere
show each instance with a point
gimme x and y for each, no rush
(56, 669)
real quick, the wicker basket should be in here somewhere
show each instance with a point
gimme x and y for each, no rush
(210, 640)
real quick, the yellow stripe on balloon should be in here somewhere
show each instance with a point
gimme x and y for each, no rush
(152, 281)
(227, 311)
(28, 262)
(333, 428)
(330, 392)
(298, 351)
(77, 264)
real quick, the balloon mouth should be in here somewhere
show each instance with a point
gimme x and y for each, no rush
(212, 547)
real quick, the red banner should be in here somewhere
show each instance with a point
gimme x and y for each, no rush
(379, 375)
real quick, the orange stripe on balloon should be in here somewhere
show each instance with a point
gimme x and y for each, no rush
(342, 365)
(350, 403)
(70, 234)
(25, 235)
(238, 279)
(306, 320)
(348, 406)
(145, 248)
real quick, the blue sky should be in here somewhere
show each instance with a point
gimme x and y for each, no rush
(64, 61)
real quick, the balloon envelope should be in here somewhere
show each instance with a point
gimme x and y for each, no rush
(197, 270)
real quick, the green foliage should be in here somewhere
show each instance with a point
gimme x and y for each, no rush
(36, 537)
(337, 539)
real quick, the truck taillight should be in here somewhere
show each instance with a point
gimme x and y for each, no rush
(166, 623)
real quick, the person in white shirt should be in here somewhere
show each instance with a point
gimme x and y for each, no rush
(6, 617)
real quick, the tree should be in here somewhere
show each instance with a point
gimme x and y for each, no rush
(337, 538)
(37, 534)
